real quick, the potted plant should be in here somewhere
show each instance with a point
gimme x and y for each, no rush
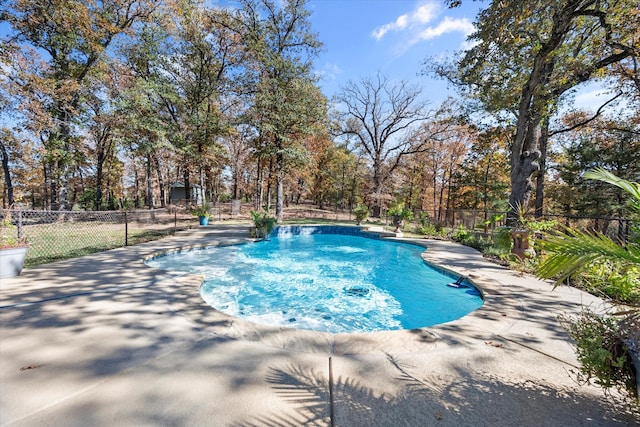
(361, 212)
(263, 224)
(13, 248)
(399, 214)
(202, 212)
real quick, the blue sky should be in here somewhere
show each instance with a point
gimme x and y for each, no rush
(395, 37)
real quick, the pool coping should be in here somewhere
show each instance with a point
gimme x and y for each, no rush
(191, 305)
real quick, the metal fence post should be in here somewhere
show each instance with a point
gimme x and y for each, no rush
(126, 230)
(19, 224)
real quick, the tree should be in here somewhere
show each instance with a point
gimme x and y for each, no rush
(203, 54)
(237, 143)
(381, 115)
(72, 37)
(608, 143)
(6, 137)
(439, 158)
(483, 181)
(286, 106)
(528, 56)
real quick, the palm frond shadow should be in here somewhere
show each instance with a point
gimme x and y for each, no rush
(486, 399)
(305, 389)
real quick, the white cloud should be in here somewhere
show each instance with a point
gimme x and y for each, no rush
(589, 100)
(447, 25)
(329, 72)
(423, 14)
(421, 24)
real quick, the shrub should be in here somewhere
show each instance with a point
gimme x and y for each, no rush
(608, 279)
(460, 234)
(602, 351)
(502, 239)
(430, 230)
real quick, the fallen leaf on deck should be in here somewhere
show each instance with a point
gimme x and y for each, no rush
(493, 344)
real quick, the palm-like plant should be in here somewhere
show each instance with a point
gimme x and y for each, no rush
(571, 253)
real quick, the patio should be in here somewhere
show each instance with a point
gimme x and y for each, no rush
(105, 340)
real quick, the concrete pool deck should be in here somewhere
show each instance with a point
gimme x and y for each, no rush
(105, 340)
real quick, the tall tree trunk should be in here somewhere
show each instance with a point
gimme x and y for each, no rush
(53, 187)
(99, 177)
(47, 186)
(434, 196)
(235, 178)
(136, 202)
(149, 186)
(377, 186)
(279, 186)
(63, 164)
(187, 185)
(524, 152)
(259, 187)
(540, 176)
(163, 196)
(524, 159)
(8, 184)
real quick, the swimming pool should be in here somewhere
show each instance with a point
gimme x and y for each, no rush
(333, 279)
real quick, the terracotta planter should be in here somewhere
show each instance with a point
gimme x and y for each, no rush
(521, 247)
(11, 261)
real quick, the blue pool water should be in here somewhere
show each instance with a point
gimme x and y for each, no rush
(307, 279)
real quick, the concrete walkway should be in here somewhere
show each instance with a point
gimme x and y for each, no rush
(104, 340)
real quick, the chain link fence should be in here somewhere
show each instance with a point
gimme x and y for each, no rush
(618, 229)
(57, 235)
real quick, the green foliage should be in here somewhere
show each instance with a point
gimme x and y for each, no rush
(602, 351)
(468, 238)
(204, 210)
(224, 197)
(574, 251)
(9, 233)
(630, 187)
(609, 143)
(601, 264)
(431, 230)
(502, 239)
(361, 213)
(263, 223)
(87, 199)
(610, 280)
(399, 210)
(460, 234)
(483, 179)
